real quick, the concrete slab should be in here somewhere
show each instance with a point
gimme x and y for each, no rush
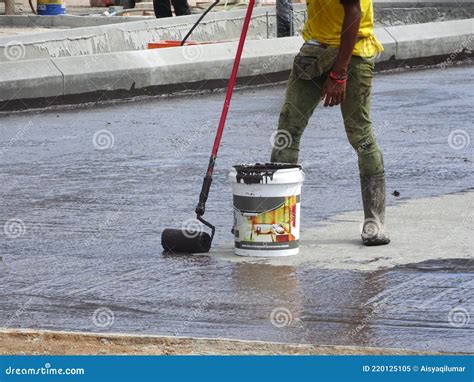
(130, 34)
(57, 44)
(65, 21)
(136, 35)
(17, 31)
(15, 20)
(424, 229)
(72, 21)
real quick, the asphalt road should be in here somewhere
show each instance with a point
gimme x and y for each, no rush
(85, 193)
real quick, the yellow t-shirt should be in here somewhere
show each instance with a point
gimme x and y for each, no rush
(324, 24)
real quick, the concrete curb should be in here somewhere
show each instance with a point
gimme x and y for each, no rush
(62, 80)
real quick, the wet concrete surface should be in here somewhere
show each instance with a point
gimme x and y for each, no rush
(89, 220)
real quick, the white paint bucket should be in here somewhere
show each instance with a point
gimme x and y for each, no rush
(266, 209)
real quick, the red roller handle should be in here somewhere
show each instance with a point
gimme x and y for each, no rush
(231, 84)
(228, 96)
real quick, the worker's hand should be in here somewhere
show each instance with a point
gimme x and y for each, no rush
(333, 92)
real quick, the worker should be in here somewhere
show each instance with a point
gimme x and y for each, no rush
(163, 8)
(335, 66)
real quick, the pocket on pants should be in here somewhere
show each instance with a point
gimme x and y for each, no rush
(312, 61)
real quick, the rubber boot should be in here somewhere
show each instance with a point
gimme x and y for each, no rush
(373, 198)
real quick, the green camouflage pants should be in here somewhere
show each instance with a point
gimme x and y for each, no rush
(302, 97)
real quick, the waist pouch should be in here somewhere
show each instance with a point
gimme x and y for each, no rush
(313, 61)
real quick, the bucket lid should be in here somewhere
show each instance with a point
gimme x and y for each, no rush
(263, 172)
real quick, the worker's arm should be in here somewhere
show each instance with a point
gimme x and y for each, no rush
(334, 90)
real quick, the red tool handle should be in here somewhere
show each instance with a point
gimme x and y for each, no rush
(230, 88)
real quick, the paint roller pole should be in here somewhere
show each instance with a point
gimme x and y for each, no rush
(206, 185)
(284, 15)
(198, 21)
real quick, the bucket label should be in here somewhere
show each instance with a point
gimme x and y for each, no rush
(266, 223)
